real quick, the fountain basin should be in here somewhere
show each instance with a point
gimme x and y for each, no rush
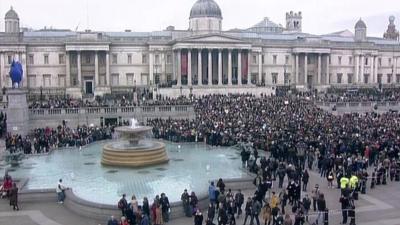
(146, 154)
(133, 135)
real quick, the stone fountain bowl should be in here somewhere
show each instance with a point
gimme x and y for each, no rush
(133, 135)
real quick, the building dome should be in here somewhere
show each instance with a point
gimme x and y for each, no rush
(11, 14)
(205, 8)
(360, 25)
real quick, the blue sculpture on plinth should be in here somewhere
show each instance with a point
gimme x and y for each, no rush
(16, 73)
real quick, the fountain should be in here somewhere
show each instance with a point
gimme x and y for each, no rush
(133, 151)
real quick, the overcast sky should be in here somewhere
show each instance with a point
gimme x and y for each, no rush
(319, 16)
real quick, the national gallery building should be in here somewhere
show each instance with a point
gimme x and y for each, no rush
(202, 59)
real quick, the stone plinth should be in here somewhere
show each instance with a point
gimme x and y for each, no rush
(17, 112)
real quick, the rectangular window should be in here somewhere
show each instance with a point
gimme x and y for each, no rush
(31, 60)
(263, 59)
(274, 78)
(287, 78)
(129, 79)
(340, 60)
(61, 80)
(350, 60)
(274, 58)
(31, 81)
(87, 59)
(366, 61)
(380, 78)
(114, 79)
(46, 59)
(129, 58)
(287, 60)
(390, 61)
(254, 59)
(349, 78)
(398, 78)
(366, 78)
(114, 59)
(330, 60)
(389, 78)
(169, 59)
(156, 78)
(61, 59)
(74, 59)
(9, 59)
(169, 78)
(157, 59)
(380, 61)
(46, 80)
(339, 78)
(144, 59)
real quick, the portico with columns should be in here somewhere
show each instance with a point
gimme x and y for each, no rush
(311, 67)
(203, 62)
(87, 69)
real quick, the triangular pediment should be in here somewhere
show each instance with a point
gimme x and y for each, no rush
(212, 38)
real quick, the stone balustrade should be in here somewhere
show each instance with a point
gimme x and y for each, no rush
(98, 115)
(369, 106)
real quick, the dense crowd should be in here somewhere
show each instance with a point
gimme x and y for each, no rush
(360, 95)
(107, 101)
(42, 140)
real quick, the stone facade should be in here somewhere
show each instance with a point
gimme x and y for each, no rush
(266, 55)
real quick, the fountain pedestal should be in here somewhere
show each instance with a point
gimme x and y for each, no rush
(133, 151)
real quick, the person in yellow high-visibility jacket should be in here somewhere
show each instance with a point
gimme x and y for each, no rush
(344, 181)
(353, 182)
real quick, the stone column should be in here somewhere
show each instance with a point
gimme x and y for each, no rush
(209, 67)
(361, 77)
(376, 70)
(219, 67)
(239, 67)
(328, 77)
(78, 63)
(151, 68)
(67, 70)
(24, 82)
(199, 69)
(305, 68)
(259, 68)
(96, 68)
(179, 74)
(229, 67)
(357, 69)
(249, 67)
(189, 66)
(319, 69)
(394, 70)
(2, 73)
(297, 69)
(173, 64)
(108, 69)
(371, 74)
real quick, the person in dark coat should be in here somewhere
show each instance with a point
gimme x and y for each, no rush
(222, 216)
(14, 197)
(198, 218)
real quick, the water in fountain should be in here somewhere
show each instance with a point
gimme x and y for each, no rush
(134, 123)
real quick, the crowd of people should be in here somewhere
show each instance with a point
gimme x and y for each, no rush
(126, 100)
(42, 140)
(360, 95)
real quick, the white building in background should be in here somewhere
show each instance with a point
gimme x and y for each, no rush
(202, 59)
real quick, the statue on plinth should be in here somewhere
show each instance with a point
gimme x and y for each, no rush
(16, 74)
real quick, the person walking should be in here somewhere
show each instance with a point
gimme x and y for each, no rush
(288, 220)
(165, 207)
(321, 207)
(123, 205)
(248, 209)
(255, 212)
(266, 214)
(185, 203)
(345, 203)
(198, 218)
(305, 177)
(60, 190)
(14, 197)
(315, 195)
(239, 200)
